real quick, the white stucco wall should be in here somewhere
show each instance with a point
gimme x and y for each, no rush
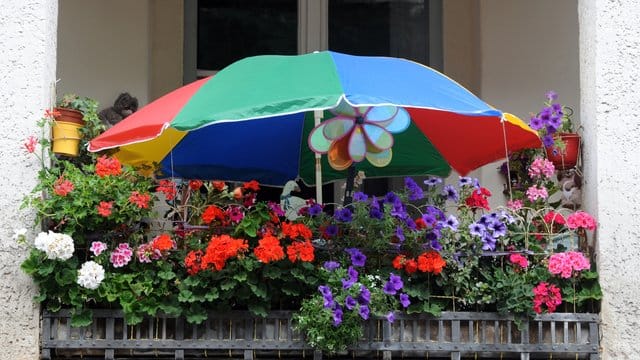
(27, 71)
(526, 49)
(103, 49)
(610, 77)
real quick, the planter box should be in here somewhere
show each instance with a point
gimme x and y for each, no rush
(453, 335)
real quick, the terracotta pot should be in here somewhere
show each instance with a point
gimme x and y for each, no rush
(567, 159)
(70, 116)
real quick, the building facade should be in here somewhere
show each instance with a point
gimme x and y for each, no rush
(509, 52)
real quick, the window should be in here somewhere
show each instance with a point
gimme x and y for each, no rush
(229, 30)
(219, 32)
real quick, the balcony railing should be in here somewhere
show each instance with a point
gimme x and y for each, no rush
(454, 335)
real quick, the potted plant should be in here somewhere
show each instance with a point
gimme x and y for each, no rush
(554, 126)
(430, 248)
(75, 121)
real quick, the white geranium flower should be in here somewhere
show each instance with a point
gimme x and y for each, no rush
(19, 234)
(90, 275)
(42, 241)
(56, 246)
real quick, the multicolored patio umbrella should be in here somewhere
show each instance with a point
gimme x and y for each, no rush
(253, 121)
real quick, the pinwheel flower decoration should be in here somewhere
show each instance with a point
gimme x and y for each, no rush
(358, 133)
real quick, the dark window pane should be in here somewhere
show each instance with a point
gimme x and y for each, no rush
(398, 28)
(229, 30)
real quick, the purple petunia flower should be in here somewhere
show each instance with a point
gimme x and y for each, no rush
(450, 192)
(388, 289)
(429, 219)
(536, 123)
(498, 229)
(343, 215)
(357, 257)
(393, 285)
(555, 121)
(391, 317)
(404, 300)
(557, 108)
(375, 213)
(360, 196)
(315, 210)
(435, 245)
(365, 295)
(331, 265)
(506, 216)
(363, 311)
(399, 233)
(451, 223)
(324, 289)
(433, 181)
(488, 242)
(350, 302)
(415, 191)
(465, 181)
(547, 140)
(353, 273)
(337, 316)
(552, 95)
(347, 283)
(326, 296)
(391, 197)
(477, 229)
(411, 224)
(331, 231)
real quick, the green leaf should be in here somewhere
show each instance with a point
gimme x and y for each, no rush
(272, 272)
(258, 309)
(82, 317)
(186, 296)
(228, 284)
(259, 290)
(240, 277)
(166, 275)
(196, 314)
(213, 294)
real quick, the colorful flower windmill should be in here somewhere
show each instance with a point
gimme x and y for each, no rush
(356, 133)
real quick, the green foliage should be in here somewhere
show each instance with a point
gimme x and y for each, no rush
(316, 323)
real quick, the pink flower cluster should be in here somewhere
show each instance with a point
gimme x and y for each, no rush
(534, 193)
(121, 255)
(519, 260)
(515, 205)
(97, 247)
(547, 294)
(541, 168)
(581, 219)
(564, 264)
(146, 252)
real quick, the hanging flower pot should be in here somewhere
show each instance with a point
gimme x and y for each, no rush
(65, 138)
(567, 158)
(65, 131)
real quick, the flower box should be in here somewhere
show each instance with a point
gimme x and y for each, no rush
(239, 334)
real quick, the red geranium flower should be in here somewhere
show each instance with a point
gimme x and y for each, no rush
(140, 200)
(300, 250)
(168, 188)
(251, 186)
(62, 186)
(269, 249)
(106, 166)
(195, 185)
(104, 208)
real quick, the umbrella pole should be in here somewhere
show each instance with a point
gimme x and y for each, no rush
(351, 178)
(317, 117)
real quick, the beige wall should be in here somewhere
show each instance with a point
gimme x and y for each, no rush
(510, 53)
(103, 49)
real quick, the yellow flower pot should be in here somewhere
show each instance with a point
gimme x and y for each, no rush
(65, 138)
